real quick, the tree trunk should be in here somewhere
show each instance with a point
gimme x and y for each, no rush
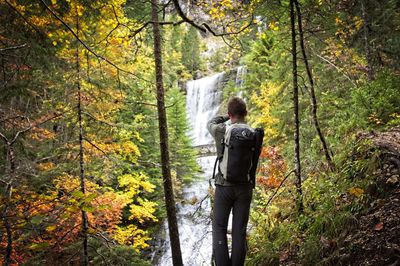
(297, 164)
(85, 259)
(314, 104)
(7, 203)
(7, 258)
(162, 124)
(370, 70)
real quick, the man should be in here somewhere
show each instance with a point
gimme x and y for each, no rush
(228, 195)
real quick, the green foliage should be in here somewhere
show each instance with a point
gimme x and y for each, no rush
(378, 102)
(115, 255)
(190, 49)
(230, 90)
(217, 60)
(325, 217)
(183, 161)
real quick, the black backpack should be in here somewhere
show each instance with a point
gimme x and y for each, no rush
(241, 150)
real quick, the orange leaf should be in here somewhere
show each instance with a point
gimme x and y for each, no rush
(379, 226)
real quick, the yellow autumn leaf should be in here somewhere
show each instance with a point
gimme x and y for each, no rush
(273, 26)
(46, 166)
(51, 228)
(264, 100)
(356, 191)
(131, 235)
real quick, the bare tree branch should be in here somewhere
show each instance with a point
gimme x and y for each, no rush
(34, 125)
(13, 47)
(314, 104)
(155, 105)
(273, 194)
(98, 120)
(204, 27)
(173, 23)
(97, 148)
(11, 142)
(334, 66)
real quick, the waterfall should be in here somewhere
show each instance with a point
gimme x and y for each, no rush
(202, 103)
(240, 73)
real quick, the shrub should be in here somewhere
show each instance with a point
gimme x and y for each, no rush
(378, 102)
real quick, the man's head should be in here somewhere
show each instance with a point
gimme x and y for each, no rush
(236, 109)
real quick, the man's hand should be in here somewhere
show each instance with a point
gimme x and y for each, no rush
(226, 117)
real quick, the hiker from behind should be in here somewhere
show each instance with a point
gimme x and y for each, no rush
(238, 148)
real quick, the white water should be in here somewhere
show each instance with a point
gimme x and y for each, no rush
(240, 74)
(202, 103)
(203, 99)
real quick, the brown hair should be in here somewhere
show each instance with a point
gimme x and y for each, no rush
(237, 107)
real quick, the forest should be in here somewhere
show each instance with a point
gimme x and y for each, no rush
(104, 153)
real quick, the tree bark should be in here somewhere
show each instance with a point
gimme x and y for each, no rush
(7, 258)
(367, 48)
(7, 203)
(314, 105)
(299, 200)
(84, 232)
(162, 124)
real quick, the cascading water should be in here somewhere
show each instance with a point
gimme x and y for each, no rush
(202, 103)
(240, 74)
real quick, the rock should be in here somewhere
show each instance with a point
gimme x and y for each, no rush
(344, 259)
(393, 180)
(372, 190)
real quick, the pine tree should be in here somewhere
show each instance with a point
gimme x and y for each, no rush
(190, 49)
(183, 155)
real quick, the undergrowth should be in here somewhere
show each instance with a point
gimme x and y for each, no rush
(332, 202)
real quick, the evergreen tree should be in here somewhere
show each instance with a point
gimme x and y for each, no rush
(190, 49)
(183, 155)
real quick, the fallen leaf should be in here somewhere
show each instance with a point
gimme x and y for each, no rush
(379, 226)
(356, 191)
(283, 256)
(325, 242)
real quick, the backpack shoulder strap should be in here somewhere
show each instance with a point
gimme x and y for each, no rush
(215, 167)
(259, 141)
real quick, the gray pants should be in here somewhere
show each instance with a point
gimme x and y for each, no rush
(238, 199)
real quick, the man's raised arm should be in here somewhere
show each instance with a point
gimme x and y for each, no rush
(217, 124)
